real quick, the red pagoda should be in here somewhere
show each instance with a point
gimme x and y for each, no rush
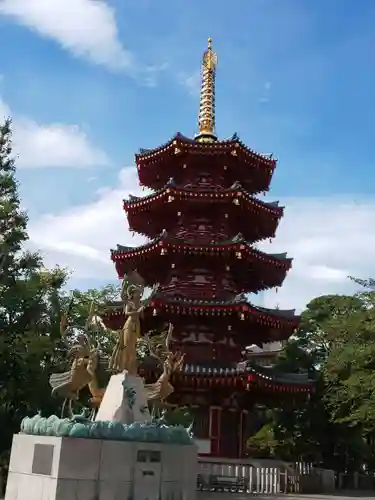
(203, 220)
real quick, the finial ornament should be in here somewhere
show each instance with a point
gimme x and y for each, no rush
(207, 96)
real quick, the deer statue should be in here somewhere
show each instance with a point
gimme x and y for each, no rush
(69, 384)
(171, 362)
(82, 372)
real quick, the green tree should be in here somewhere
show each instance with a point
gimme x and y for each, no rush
(29, 307)
(349, 375)
(308, 430)
(331, 335)
(80, 305)
(314, 335)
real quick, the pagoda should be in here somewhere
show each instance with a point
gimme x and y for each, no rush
(203, 221)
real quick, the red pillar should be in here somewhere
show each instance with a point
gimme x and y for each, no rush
(215, 429)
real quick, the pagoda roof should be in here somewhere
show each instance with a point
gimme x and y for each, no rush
(124, 249)
(213, 194)
(270, 373)
(238, 300)
(236, 243)
(261, 372)
(162, 307)
(238, 304)
(194, 146)
(250, 374)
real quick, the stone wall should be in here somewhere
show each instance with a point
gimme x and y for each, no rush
(55, 468)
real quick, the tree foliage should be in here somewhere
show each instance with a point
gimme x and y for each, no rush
(336, 427)
(29, 307)
(80, 305)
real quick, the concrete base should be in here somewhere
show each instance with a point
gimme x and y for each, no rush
(125, 400)
(53, 468)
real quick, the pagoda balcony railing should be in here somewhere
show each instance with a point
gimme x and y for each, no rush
(196, 290)
(200, 236)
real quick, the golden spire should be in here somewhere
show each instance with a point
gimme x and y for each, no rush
(207, 98)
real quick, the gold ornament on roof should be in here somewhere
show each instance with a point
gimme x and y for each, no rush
(207, 96)
(209, 57)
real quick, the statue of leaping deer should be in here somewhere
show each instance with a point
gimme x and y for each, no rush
(171, 363)
(69, 384)
(82, 371)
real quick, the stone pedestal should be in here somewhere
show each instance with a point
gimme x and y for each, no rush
(125, 400)
(54, 468)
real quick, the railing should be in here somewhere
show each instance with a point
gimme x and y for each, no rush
(247, 479)
(195, 290)
(302, 468)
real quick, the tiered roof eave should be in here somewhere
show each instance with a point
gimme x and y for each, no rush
(211, 195)
(154, 165)
(218, 146)
(234, 244)
(236, 251)
(239, 307)
(171, 201)
(247, 375)
(278, 318)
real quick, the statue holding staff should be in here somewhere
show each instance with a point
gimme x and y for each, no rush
(124, 355)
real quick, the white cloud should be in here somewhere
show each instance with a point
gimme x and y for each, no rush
(86, 28)
(328, 238)
(52, 145)
(149, 75)
(192, 82)
(86, 233)
(55, 145)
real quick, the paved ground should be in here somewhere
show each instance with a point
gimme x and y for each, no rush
(233, 496)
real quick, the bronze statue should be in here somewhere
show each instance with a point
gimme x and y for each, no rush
(171, 363)
(124, 356)
(69, 384)
(97, 393)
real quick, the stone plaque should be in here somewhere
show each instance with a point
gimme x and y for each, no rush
(42, 460)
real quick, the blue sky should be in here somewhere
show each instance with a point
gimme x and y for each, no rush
(88, 83)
